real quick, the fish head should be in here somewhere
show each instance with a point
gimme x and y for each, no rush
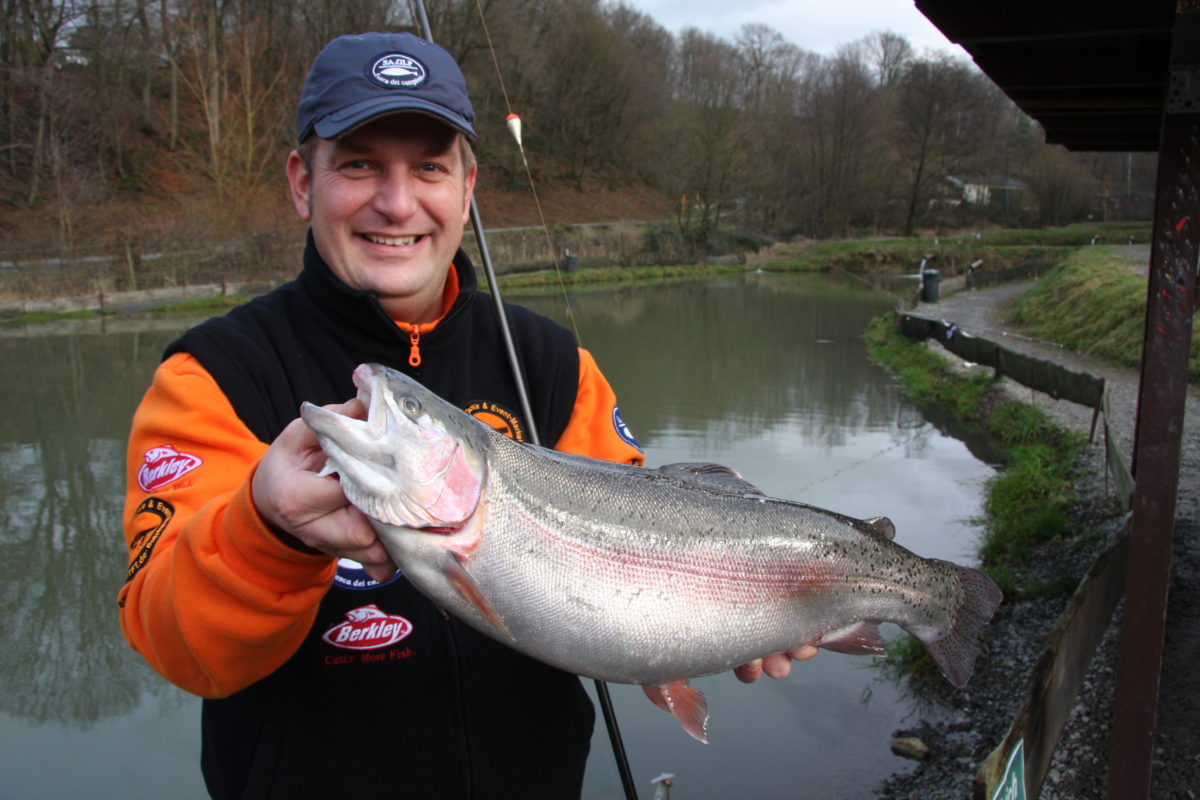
(415, 461)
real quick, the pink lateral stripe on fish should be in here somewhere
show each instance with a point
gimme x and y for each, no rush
(629, 574)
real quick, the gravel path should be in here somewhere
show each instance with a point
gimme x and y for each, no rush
(963, 727)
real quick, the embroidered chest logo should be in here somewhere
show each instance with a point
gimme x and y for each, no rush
(498, 417)
(163, 465)
(368, 628)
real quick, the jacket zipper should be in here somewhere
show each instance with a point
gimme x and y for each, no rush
(414, 340)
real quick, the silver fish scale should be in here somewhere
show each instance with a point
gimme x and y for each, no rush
(632, 576)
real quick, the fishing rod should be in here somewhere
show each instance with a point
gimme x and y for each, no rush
(602, 694)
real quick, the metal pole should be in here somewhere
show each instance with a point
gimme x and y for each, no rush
(606, 706)
(1171, 303)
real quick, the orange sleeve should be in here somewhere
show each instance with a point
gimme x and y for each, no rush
(595, 428)
(212, 600)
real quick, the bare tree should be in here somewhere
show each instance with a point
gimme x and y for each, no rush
(937, 119)
(889, 55)
(839, 174)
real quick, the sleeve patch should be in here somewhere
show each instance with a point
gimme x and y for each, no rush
(150, 520)
(623, 430)
(163, 465)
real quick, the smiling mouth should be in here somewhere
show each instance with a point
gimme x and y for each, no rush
(391, 241)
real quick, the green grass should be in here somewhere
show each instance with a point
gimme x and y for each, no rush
(221, 302)
(38, 317)
(1027, 499)
(608, 276)
(1094, 303)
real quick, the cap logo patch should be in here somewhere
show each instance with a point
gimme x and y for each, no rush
(163, 465)
(398, 71)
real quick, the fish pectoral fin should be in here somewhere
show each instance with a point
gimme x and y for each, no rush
(859, 639)
(685, 703)
(465, 585)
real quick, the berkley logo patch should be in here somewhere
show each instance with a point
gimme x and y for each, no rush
(368, 628)
(164, 465)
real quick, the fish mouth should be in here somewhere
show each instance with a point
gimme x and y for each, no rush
(400, 464)
(365, 379)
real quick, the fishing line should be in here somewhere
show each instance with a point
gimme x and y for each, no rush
(606, 706)
(900, 301)
(514, 126)
(513, 121)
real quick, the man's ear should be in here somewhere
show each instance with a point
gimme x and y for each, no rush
(300, 183)
(469, 184)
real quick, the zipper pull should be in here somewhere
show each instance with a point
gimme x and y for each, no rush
(414, 340)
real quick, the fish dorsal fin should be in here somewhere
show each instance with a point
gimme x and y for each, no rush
(883, 526)
(714, 477)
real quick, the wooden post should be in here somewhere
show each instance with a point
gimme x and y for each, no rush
(1171, 294)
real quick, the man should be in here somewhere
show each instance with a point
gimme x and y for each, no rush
(252, 581)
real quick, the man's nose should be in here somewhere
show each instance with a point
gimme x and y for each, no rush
(395, 196)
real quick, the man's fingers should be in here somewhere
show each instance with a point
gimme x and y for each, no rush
(351, 408)
(776, 665)
(803, 653)
(381, 572)
(749, 673)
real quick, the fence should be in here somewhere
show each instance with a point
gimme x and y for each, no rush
(1054, 683)
(1036, 373)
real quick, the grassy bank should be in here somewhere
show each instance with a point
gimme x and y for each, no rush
(1026, 501)
(1095, 303)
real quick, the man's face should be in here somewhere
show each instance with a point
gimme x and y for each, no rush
(387, 204)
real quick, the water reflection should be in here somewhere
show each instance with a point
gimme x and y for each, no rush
(764, 373)
(62, 448)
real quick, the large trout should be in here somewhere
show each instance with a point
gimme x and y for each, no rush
(629, 574)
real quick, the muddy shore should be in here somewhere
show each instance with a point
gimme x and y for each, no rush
(962, 727)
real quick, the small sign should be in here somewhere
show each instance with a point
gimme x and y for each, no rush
(1012, 785)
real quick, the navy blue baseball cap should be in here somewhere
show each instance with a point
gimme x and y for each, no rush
(357, 78)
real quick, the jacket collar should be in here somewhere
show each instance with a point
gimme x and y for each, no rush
(349, 304)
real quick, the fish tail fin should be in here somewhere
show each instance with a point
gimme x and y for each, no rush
(685, 703)
(955, 652)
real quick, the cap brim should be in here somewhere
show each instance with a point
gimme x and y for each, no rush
(342, 122)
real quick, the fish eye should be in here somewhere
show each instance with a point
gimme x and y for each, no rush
(410, 405)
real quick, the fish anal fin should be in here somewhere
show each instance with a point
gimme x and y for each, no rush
(860, 639)
(714, 477)
(684, 702)
(465, 585)
(656, 696)
(883, 526)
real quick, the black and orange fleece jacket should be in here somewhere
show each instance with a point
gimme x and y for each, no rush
(317, 677)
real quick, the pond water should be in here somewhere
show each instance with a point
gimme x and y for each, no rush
(764, 373)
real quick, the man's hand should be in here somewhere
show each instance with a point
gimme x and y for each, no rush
(291, 498)
(776, 665)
